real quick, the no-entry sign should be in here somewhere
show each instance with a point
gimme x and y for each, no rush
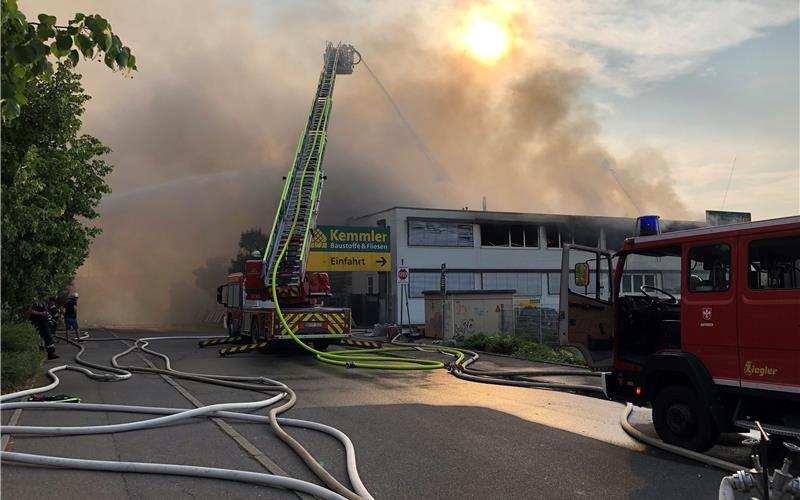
(402, 275)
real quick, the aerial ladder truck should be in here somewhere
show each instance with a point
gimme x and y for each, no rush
(250, 311)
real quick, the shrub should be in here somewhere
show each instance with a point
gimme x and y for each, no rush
(502, 344)
(475, 342)
(520, 348)
(21, 357)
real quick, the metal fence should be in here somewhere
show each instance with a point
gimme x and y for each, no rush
(535, 322)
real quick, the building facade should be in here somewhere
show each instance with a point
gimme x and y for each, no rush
(481, 250)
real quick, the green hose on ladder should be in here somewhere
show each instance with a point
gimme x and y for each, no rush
(364, 358)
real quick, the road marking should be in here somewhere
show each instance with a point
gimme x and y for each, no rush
(12, 421)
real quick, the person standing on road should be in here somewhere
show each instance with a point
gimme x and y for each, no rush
(71, 316)
(39, 317)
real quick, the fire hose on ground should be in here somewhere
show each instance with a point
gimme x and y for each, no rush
(517, 378)
(170, 415)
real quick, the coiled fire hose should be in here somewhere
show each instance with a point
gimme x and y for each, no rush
(171, 415)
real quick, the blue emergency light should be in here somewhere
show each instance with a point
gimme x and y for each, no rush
(647, 225)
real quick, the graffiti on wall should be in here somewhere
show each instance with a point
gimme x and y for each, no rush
(465, 327)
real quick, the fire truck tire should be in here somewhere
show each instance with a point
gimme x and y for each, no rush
(255, 330)
(321, 345)
(681, 419)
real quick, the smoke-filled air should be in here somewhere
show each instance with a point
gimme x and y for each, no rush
(207, 127)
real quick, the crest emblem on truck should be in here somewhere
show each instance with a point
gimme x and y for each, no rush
(706, 313)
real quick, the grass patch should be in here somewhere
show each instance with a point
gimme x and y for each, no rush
(19, 355)
(521, 348)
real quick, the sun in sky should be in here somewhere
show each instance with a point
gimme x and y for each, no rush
(485, 39)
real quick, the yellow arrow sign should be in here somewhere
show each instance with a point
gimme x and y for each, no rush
(349, 261)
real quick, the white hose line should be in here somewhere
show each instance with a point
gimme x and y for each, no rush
(693, 455)
(52, 374)
(141, 344)
(142, 424)
(176, 470)
(121, 374)
(304, 455)
(168, 365)
(350, 451)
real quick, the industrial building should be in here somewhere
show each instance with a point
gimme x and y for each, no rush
(481, 250)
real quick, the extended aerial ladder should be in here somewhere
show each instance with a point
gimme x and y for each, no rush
(295, 219)
(250, 312)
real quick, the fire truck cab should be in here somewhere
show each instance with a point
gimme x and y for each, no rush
(702, 325)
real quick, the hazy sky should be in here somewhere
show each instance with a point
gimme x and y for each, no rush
(666, 94)
(700, 83)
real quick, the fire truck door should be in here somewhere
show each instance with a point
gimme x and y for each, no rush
(585, 304)
(769, 311)
(708, 308)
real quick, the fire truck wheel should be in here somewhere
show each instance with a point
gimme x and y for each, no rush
(321, 345)
(255, 330)
(681, 418)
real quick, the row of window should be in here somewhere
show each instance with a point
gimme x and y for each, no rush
(453, 234)
(527, 284)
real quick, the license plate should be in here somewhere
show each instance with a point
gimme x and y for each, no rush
(312, 324)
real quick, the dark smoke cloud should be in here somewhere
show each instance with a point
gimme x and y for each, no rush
(204, 132)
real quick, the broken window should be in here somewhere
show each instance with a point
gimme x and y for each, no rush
(513, 235)
(495, 235)
(553, 236)
(586, 236)
(531, 236)
(517, 236)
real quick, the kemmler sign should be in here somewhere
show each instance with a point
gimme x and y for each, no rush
(348, 248)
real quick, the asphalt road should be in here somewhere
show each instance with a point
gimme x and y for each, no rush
(417, 434)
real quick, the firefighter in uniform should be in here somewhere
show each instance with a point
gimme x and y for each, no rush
(39, 318)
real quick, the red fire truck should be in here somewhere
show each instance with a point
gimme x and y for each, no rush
(702, 325)
(257, 319)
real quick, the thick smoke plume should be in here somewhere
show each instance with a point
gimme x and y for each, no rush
(205, 130)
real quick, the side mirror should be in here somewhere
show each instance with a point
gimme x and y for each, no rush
(219, 294)
(582, 274)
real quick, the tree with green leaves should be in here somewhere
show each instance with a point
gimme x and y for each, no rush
(52, 181)
(28, 47)
(249, 241)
